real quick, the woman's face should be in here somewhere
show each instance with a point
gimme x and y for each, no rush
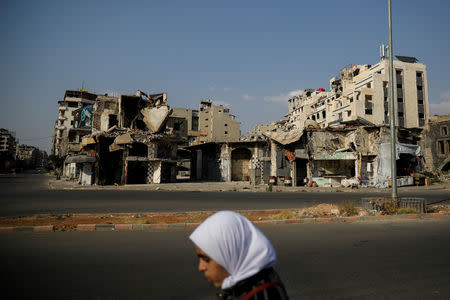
(214, 272)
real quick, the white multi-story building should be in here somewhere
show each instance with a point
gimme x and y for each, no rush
(360, 95)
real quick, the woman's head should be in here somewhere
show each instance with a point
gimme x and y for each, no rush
(233, 243)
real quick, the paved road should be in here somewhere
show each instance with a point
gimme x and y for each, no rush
(384, 260)
(26, 194)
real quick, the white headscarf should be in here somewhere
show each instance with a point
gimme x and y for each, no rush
(235, 244)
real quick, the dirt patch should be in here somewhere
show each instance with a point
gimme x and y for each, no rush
(68, 222)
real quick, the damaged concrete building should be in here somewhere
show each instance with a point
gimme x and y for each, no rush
(333, 138)
(210, 123)
(360, 95)
(435, 141)
(74, 121)
(131, 141)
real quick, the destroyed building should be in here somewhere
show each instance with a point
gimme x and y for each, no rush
(360, 94)
(74, 121)
(210, 123)
(132, 140)
(435, 141)
(336, 137)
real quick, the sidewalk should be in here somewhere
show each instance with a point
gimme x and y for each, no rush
(234, 186)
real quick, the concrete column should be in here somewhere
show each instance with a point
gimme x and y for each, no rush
(225, 163)
(199, 164)
(294, 173)
(273, 158)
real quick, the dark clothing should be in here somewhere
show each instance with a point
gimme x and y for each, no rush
(243, 287)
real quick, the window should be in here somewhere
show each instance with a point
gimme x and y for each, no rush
(369, 97)
(351, 99)
(73, 104)
(226, 125)
(400, 114)
(399, 99)
(398, 72)
(349, 113)
(369, 85)
(420, 101)
(441, 147)
(324, 114)
(421, 116)
(385, 99)
(444, 130)
(368, 111)
(313, 117)
(226, 132)
(399, 85)
(419, 74)
(176, 126)
(419, 88)
(206, 119)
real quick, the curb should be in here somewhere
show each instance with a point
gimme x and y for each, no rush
(149, 227)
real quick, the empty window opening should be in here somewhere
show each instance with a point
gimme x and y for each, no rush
(444, 130)
(73, 137)
(368, 111)
(441, 147)
(138, 149)
(400, 99)
(112, 121)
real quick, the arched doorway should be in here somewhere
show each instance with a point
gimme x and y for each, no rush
(445, 166)
(240, 162)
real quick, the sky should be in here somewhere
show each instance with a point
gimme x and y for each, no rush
(250, 56)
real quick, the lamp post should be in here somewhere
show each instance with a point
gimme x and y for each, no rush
(392, 111)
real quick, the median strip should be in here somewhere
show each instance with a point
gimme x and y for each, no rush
(150, 227)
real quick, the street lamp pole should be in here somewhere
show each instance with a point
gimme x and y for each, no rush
(392, 111)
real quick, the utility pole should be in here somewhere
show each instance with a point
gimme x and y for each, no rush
(392, 112)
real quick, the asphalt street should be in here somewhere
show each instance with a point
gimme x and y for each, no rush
(26, 194)
(379, 260)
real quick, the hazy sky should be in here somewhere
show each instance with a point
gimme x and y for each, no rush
(248, 55)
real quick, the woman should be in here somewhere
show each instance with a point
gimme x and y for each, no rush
(237, 257)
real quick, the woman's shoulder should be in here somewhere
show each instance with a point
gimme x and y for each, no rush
(265, 284)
